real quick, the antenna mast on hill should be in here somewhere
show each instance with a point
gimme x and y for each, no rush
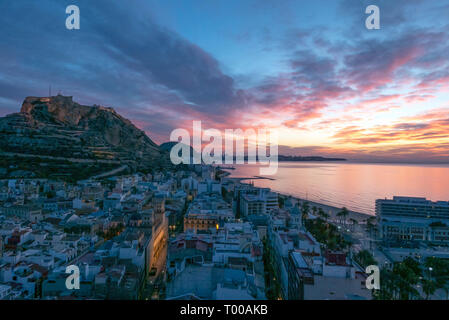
(49, 91)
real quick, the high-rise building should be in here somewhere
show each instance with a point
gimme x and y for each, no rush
(257, 201)
(252, 205)
(414, 219)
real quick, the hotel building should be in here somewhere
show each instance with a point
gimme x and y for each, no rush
(413, 219)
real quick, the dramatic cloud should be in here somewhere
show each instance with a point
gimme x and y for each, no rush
(311, 70)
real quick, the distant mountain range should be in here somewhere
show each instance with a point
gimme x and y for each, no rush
(167, 146)
(308, 158)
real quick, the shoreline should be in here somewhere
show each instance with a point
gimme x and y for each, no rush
(331, 210)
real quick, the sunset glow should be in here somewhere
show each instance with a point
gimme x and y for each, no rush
(309, 69)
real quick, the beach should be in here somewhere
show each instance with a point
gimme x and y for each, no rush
(356, 186)
(332, 211)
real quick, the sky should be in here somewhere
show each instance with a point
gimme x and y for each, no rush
(307, 68)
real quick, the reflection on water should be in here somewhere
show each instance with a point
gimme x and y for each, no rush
(354, 185)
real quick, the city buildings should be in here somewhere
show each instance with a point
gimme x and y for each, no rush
(290, 244)
(184, 234)
(63, 224)
(413, 219)
(208, 210)
(256, 201)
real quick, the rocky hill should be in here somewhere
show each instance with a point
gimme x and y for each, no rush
(167, 146)
(58, 128)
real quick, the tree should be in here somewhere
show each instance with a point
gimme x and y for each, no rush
(281, 202)
(370, 221)
(365, 258)
(343, 213)
(387, 286)
(305, 209)
(435, 276)
(323, 214)
(400, 282)
(272, 287)
(429, 286)
(408, 272)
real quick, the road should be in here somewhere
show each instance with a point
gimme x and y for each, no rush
(110, 173)
(366, 240)
(155, 286)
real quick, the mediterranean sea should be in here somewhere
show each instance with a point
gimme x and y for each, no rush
(351, 184)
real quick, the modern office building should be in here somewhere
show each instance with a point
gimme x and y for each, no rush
(413, 219)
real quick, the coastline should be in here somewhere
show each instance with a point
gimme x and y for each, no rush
(331, 210)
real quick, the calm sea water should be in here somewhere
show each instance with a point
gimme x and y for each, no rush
(354, 185)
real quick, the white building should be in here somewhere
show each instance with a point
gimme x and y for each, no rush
(416, 219)
(258, 201)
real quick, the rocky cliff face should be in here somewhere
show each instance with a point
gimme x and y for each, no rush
(59, 127)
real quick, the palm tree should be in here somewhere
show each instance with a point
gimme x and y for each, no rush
(343, 213)
(364, 258)
(438, 271)
(387, 286)
(429, 287)
(305, 210)
(323, 214)
(407, 277)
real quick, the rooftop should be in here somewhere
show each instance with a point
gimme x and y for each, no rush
(330, 288)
